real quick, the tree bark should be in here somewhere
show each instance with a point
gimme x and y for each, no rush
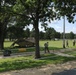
(3, 27)
(1, 36)
(37, 51)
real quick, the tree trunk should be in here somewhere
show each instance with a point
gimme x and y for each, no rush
(37, 51)
(1, 36)
(1, 42)
(3, 26)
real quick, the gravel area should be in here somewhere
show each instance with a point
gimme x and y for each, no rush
(68, 68)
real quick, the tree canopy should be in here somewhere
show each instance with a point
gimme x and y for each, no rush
(35, 11)
(66, 7)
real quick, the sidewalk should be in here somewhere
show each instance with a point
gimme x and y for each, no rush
(57, 52)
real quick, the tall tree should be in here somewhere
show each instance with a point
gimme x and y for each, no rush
(71, 35)
(50, 33)
(3, 23)
(35, 11)
(57, 35)
(4, 19)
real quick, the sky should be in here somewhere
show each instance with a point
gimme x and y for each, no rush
(58, 26)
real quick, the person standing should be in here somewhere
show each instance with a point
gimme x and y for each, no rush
(46, 47)
(73, 42)
(67, 45)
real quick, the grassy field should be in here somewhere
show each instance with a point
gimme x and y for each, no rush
(71, 52)
(52, 44)
(16, 63)
(7, 44)
(57, 44)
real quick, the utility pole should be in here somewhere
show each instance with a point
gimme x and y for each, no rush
(64, 31)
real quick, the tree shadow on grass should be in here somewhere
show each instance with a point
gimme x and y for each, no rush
(55, 59)
(51, 48)
(66, 72)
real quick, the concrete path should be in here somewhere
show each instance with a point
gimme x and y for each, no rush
(60, 53)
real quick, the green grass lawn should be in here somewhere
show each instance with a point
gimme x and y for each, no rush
(7, 44)
(71, 52)
(17, 63)
(53, 45)
(57, 44)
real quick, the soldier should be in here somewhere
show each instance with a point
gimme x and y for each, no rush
(46, 47)
(73, 42)
(67, 43)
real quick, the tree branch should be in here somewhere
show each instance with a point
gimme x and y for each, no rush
(32, 17)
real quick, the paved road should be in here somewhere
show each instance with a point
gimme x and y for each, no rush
(66, 72)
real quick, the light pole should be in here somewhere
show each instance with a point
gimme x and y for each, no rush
(63, 31)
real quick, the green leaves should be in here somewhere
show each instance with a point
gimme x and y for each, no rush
(18, 8)
(66, 7)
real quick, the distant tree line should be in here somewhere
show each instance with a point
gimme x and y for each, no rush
(52, 34)
(15, 32)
